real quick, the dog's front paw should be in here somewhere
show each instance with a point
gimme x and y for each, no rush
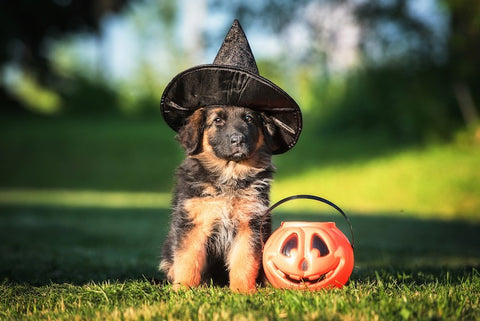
(243, 286)
(178, 287)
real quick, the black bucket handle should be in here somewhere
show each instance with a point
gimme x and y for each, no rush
(315, 198)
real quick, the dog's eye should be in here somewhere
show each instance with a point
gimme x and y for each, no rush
(248, 118)
(218, 120)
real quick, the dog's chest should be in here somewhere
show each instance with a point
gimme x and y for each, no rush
(221, 216)
(226, 209)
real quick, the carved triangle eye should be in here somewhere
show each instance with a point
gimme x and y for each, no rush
(319, 244)
(289, 245)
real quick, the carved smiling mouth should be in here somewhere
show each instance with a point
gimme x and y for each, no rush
(306, 280)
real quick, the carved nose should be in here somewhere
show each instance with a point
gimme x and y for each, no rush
(304, 265)
(236, 139)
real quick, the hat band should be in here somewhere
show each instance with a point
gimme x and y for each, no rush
(277, 121)
(172, 104)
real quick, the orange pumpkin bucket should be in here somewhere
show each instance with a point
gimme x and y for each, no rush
(308, 255)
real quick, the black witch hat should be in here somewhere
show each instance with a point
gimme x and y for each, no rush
(232, 80)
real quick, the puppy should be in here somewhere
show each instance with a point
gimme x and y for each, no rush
(218, 224)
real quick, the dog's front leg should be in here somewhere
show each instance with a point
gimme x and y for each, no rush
(243, 261)
(191, 255)
(190, 258)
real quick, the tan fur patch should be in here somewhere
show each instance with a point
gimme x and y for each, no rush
(190, 135)
(243, 262)
(203, 211)
(189, 260)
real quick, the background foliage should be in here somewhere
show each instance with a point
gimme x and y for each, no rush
(408, 71)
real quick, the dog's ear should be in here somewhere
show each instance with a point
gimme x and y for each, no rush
(269, 130)
(190, 135)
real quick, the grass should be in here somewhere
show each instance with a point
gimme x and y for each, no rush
(433, 181)
(364, 173)
(84, 211)
(69, 263)
(89, 153)
(380, 299)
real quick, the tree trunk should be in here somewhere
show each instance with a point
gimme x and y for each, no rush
(465, 102)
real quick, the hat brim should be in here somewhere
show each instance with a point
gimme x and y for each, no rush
(213, 85)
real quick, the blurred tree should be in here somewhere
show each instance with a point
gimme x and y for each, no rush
(411, 55)
(456, 48)
(26, 26)
(399, 34)
(390, 30)
(276, 14)
(464, 55)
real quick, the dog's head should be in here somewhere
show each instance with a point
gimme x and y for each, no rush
(227, 133)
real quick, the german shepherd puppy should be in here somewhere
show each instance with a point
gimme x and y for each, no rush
(222, 193)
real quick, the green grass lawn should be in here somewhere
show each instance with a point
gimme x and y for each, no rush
(84, 212)
(82, 263)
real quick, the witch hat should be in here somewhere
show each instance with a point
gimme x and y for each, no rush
(232, 80)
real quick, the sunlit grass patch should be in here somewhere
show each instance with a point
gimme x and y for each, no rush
(441, 181)
(83, 198)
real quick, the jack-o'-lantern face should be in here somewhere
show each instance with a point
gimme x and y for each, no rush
(306, 255)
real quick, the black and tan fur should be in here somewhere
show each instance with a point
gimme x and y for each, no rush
(220, 198)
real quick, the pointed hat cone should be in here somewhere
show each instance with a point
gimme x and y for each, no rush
(235, 50)
(233, 80)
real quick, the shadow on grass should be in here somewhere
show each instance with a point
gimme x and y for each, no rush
(41, 245)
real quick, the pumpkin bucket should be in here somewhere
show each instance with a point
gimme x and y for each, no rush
(308, 255)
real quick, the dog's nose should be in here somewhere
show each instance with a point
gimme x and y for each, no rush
(236, 139)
